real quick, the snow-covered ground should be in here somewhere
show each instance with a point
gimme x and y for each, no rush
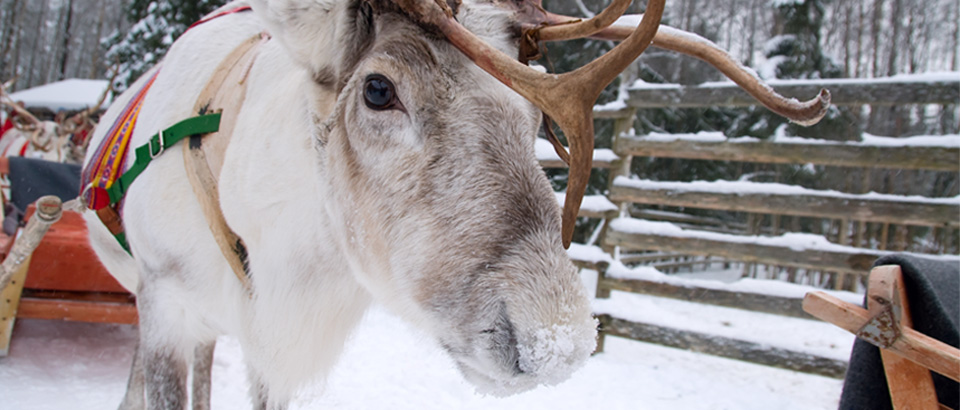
(388, 364)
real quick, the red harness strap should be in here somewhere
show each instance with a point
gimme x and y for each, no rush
(108, 162)
(105, 169)
(217, 15)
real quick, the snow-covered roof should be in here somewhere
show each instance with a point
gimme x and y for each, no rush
(70, 94)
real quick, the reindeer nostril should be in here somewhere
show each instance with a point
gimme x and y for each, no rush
(504, 341)
(516, 367)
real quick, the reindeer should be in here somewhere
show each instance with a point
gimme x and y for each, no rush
(29, 136)
(375, 153)
(54, 141)
(62, 140)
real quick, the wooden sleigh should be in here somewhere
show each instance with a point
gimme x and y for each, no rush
(51, 272)
(908, 356)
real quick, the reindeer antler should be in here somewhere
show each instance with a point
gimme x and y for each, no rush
(567, 98)
(804, 113)
(114, 72)
(72, 125)
(90, 111)
(6, 100)
(576, 28)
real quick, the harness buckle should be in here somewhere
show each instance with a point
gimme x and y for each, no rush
(86, 189)
(162, 144)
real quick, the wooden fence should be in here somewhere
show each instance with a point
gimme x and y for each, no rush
(859, 226)
(868, 225)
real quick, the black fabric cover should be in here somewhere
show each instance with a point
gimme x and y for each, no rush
(32, 178)
(933, 289)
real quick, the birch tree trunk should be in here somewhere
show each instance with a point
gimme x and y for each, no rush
(875, 33)
(95, 55)
(38, 47)
(9, 34)
(895, 21)
(65, 56)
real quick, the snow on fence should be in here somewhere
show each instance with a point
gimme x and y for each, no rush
(837, 261)
(801, 250)
(937, 153)
(745, 196)
(929, 88)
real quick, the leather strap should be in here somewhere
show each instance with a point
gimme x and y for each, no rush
(145, 153)
(225, 92)
(159, 143)
(203, 124)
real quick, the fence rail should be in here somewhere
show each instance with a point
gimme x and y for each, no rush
(833, 154)
(723, 347)
(831, 264)
(733, 248)
(757, 302)
(904, 210)
(843, 92)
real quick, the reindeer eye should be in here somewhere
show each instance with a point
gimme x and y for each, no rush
(379, 93)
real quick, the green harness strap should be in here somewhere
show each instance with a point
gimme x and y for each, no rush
(158, 143)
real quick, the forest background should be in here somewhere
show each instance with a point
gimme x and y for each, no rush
(42, 41)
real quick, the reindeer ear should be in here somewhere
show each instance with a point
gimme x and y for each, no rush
(325, 36)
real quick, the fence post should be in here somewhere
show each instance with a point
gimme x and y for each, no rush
(621, 167)
(603, 292)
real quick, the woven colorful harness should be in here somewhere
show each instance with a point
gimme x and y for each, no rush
(102, 184)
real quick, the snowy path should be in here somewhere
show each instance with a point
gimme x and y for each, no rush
(388, 365)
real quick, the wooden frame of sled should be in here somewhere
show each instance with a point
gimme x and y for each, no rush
(908, 356)
(49, 271)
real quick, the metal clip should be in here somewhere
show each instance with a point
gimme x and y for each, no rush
(162, 143)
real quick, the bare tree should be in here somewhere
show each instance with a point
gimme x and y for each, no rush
(896, 17)
(10, 32)
(37, 42)
(65, 51)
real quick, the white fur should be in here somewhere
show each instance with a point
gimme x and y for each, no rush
(325, 194)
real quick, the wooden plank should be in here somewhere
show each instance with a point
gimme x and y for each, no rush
(94, 308)
(65, 261)
(581, 264)
(552, 164)
(841, 155)
(10, 304)
(843, 92)
(723, 347)
(911, 385)
(618, 114)
(907, 212)
(918, 347)
(858, 262)
(647, 258)
(691, 220)
(756, 302)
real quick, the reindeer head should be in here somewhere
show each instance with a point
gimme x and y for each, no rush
(442, 208)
